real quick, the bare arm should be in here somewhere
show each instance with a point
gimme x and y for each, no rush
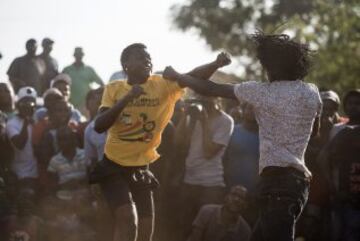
(316, 128)
(208, 88)
(207, 70)
(108, 116)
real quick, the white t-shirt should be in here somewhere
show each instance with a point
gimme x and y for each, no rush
(198, 169)
(285, 112)
(24, 163)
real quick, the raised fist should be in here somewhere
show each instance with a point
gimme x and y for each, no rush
(223, 59)
(136, 91)
(170, 73)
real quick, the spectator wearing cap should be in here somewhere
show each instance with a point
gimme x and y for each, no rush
(19, 131)
(51, 64)
(28, 69)
(82, 76)
(351, 104)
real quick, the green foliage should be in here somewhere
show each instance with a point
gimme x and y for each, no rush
(331, 27)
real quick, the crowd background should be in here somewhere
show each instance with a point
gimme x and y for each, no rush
(48, 145)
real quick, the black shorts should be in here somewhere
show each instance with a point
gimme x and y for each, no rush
(126, 185)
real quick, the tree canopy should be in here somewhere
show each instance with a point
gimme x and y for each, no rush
(331, 27)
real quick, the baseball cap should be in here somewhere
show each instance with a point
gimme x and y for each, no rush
(47, 41)
(330, 95)
(61, 77)
(26, 92)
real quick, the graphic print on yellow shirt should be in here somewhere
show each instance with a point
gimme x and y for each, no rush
(134, 137)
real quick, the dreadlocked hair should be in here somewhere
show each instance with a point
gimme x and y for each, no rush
(282, 58)
(128, 50)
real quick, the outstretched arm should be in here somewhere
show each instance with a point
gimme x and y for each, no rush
(207, 70)
(208, 88)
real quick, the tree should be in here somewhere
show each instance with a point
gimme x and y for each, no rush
(331, 27)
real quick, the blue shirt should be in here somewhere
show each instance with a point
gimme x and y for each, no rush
(241, 159)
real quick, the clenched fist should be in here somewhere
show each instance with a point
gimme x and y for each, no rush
(170, 73)
(223, 59)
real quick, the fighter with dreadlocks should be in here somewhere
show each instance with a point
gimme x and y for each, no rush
(287, 110)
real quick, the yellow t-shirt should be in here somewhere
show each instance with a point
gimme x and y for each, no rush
(135, 135)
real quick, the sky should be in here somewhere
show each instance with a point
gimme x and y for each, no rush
(103, 28)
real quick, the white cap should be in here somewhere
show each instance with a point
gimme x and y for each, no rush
(26, 91)
(61, 77)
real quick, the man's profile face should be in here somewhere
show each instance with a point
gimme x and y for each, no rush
(139, 64)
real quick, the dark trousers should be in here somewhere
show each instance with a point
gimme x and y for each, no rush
(281, 195)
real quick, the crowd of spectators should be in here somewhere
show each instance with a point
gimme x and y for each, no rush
(208, 168)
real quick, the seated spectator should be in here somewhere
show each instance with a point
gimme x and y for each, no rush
(6, 99)
(19, 131)
(47, 146)
(69, 165)
(223, 222)
(62, 82)
(94, 142)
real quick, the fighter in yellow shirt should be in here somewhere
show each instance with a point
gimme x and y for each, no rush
(135, 111)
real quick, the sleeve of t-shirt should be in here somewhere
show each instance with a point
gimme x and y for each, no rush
(203, 217)
(248, 92)
(12, 129)
(89, 148)
(172, 87)
(224, 131)
(96, 77)
(107, 98)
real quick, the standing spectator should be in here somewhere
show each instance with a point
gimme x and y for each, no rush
(19, 130)
(223, 222)
(204, 174)
(94, 142)
(6, 99)
(241, 160)
(288, 111)
(51, 65)
(82, 77)
(343, 155)
(28, 69)
(351, 108)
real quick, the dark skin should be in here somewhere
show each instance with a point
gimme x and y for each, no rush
(78, 59)
(26, 107)
(47, 48)
(138, 68)
(352, 109)
(31, 48)
(209, 88)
